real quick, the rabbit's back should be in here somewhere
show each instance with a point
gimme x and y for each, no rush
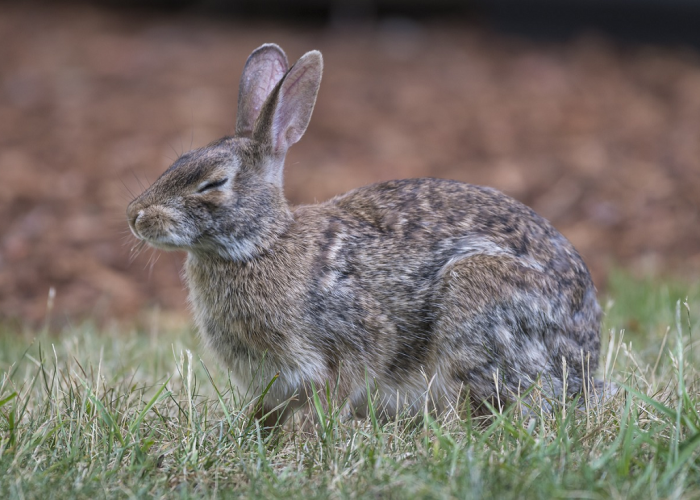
(452, 264)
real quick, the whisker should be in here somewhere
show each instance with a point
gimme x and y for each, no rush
(191, 121)
(177, 155)
(130, 240)
(127, 188)
(155, 255)
(124, 197)
(137, 179)
(136, 251)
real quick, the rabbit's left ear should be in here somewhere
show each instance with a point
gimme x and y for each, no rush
(263, 70)
(286, 114)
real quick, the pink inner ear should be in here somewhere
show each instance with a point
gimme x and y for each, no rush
(284, 131)
(292, 80)
(264, 69)
(268, 76)
(295, 102)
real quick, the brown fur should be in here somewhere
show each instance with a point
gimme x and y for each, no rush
(427, 288)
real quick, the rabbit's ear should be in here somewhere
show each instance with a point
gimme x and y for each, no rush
(263, 70)
(287, 112)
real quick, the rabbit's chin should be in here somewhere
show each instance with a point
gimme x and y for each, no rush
(167, 246)
(167, 242)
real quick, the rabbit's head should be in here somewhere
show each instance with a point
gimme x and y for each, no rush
(227, 198)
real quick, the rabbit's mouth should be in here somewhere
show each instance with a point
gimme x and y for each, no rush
(156, 227)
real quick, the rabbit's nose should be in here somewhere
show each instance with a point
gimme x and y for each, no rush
(134, 219)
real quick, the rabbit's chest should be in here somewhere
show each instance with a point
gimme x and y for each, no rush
(255, 355)
(251, 326)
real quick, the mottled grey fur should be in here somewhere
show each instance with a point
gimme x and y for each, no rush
(427, 288)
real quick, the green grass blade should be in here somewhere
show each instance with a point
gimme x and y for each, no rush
(154, 400)
(6, 400)
(687, 449)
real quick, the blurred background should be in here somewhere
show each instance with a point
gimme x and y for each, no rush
(588, 111)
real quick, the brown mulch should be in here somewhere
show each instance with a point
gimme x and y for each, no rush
(603, 140)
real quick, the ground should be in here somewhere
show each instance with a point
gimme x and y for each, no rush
(602, 139)
(88, 413)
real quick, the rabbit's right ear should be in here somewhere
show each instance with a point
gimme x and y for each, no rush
(263, 70)
(286, 114)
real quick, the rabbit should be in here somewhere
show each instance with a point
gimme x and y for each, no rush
(420, 291)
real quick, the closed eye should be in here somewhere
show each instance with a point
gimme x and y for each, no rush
(206, 186)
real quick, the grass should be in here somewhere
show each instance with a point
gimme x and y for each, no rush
(93, 414)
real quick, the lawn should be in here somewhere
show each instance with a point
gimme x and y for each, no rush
(88, 413)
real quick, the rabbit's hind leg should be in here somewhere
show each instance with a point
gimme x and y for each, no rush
(496, 331)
